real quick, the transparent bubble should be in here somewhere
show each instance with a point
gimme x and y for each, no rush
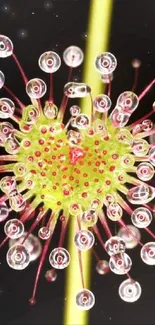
(120, 263)
(141, 217)
(36, 88)
(6, 46)
(130, 235)
(51, 275)
(89, 218)
(127, 161)
(30, 114)
(109, 198)
(2, 79)
(128, 101)
(73, 56)
(49, 62)
(18, 257)
(124, 136)
(137, 129)
(7, 108)
(84, 240)
(147, 125)
(96, 204)
(8, 184)
(6, 131)
(12, 145)
(107, 78)
(14, 228)
(106, 63)
(148, 253)
(82, 121)
(100, 127)
(102, 103)
(76, 90)
(75, 110)
(115, 245)
(4, 211)
(140, 147)
(118, 117)
(102, 267)
(59, 258)
(19, 169)
(152, 155)
(32, 244)
(17, 202)
(75, 209)
(73, 137)
(44, 233)
(85, 299)
(130, 290)
(141, 194)
(50, 110)
(114, 211)
(145, 171)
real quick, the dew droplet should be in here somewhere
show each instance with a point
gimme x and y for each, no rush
(49, 62)
(102, 103)
(120, 263)
(14, 228)
(106, 63)
(102, 267)
(130, 290)
(18, 257)
(85, 299)
(141, 217)
(84, 240)
(128, 101)
(130, 235)
(7, 108)
(148, 253)
(36, 88)
(59, 258)
(44, 233)
(32, 244)
(115, 245)
(73, 56)
(4, 211)
(51, 275)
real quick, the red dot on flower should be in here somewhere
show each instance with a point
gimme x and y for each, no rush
(96, 142)
(112, 168)
(58, 203)
(84, 194)
(37, 153)
(86, 184)
(115, 156)
(41, 141)
(54, 173)
(108, 182)
(104, 152)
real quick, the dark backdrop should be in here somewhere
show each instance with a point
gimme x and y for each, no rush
(34, 27)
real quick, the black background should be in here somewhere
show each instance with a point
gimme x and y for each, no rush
(34, 27)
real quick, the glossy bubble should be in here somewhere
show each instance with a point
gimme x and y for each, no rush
(147, 125)
(4, 211)
(148, 253)
(2, 79)
(19, 169)
(123, 135)
(152, 155)
(6, 46)
(85, 299)
(74, 137)
(141, 194)
(7, 108)
(51, 275)
(32, 244)
(120, 263)
(44, 233)
(102, 103)
(14, 228)
(140, 147)
(30, 114)
(128, 101)
(76, 90)
(114, 211)
(130, 290)
(84, 240)
(82, 121)
(18, 257)
(75, 110)
(36, 88)
(12, 145)
(115, 245)
(75, 209)
(130, 235)
(106, 63)
(118, 117)
(8, 184)
(73, 56)
(127, 161)
(50, 110)
(100, 127)
(96, 204)
(17, 202)
(145, 171)
(102, 267)
(6, 131)
(49, 62)
(89, 218)
(59, 258)
(141, 217)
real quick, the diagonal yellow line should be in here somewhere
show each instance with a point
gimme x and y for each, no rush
(98, 36)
